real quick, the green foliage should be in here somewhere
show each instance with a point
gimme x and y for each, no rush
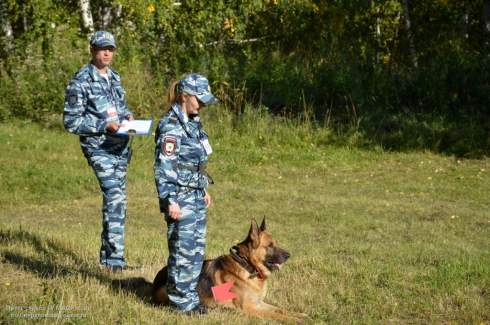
(347, 61)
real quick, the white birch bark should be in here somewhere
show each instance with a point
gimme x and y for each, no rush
(463, 25)
(377, 32)
(108, 14)
(6, 26)
(87, 18)
(486, 17)
(24, 17)
(411, 43)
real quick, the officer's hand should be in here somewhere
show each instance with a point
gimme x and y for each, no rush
(129, 118)
(207, 199)
(113, 126)
(174, 211)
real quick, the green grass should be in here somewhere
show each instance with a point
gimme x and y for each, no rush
(375, 237)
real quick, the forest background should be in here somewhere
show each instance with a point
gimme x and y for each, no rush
(348, 122)
(400, 75)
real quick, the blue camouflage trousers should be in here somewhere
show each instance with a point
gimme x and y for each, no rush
(110, 171)
(186, 244)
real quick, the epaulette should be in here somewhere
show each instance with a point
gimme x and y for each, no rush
(80, 73)
(114, 72)
(173, 119)
(115, 76)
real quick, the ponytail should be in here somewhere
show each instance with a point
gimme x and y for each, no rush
(173, 94)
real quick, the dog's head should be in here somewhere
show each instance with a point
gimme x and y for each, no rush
(261, 249)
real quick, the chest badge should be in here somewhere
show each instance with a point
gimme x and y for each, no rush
(169, 145)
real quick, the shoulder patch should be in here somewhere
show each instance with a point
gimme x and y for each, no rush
(72, 97)
(173, 119)
(169, 145)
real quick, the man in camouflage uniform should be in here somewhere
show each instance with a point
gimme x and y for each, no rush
(181, 154)
(94, 105)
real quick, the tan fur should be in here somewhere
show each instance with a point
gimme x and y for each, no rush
(259, 248)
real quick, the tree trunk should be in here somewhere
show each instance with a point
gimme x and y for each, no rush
(486, 17)
(6, 27)
(24, 17)
(107, 15)
(411, 43)
(88, 21)
(463, 25)
(377, 33)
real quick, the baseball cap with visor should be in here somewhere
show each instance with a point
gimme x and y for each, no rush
(197, 85)
(102, 38)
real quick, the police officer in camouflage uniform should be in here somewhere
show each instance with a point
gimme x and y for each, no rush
(94, 105)
(181, 154)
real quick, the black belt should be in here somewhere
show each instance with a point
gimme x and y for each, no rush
(201, 168)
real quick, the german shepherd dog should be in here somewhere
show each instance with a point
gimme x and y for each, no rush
(249, 264)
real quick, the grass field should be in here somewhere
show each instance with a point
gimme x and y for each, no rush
(375, 237)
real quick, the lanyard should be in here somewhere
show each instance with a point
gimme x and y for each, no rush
(198, 128)
(109, 95)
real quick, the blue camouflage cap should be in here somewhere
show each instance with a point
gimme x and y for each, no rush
(102, 38)
(197, 85)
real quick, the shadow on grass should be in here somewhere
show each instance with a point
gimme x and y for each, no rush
(404, 133)
(45, 265)
(139, 286)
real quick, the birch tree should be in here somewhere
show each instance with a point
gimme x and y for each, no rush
(87, 18)
(411, 43)
(6, 26)
(107, 14)
(486, 17)
(377, 31)
(463, 25)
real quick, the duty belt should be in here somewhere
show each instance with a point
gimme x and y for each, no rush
(201, 168)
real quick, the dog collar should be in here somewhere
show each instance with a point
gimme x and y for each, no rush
(246, 265)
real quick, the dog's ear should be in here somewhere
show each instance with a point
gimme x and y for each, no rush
(254, 234)
(263, 225)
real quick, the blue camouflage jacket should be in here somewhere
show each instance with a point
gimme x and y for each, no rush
(178, 154)
(90, 104)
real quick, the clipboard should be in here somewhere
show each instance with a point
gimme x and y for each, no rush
(142, 127)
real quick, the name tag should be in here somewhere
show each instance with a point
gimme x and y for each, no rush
(112, 114)
(207, 146)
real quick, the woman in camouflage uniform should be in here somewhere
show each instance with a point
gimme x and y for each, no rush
(181, 154)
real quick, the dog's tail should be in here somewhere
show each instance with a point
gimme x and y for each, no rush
(132, 283)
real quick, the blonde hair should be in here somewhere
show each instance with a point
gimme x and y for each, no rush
(173, 95)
